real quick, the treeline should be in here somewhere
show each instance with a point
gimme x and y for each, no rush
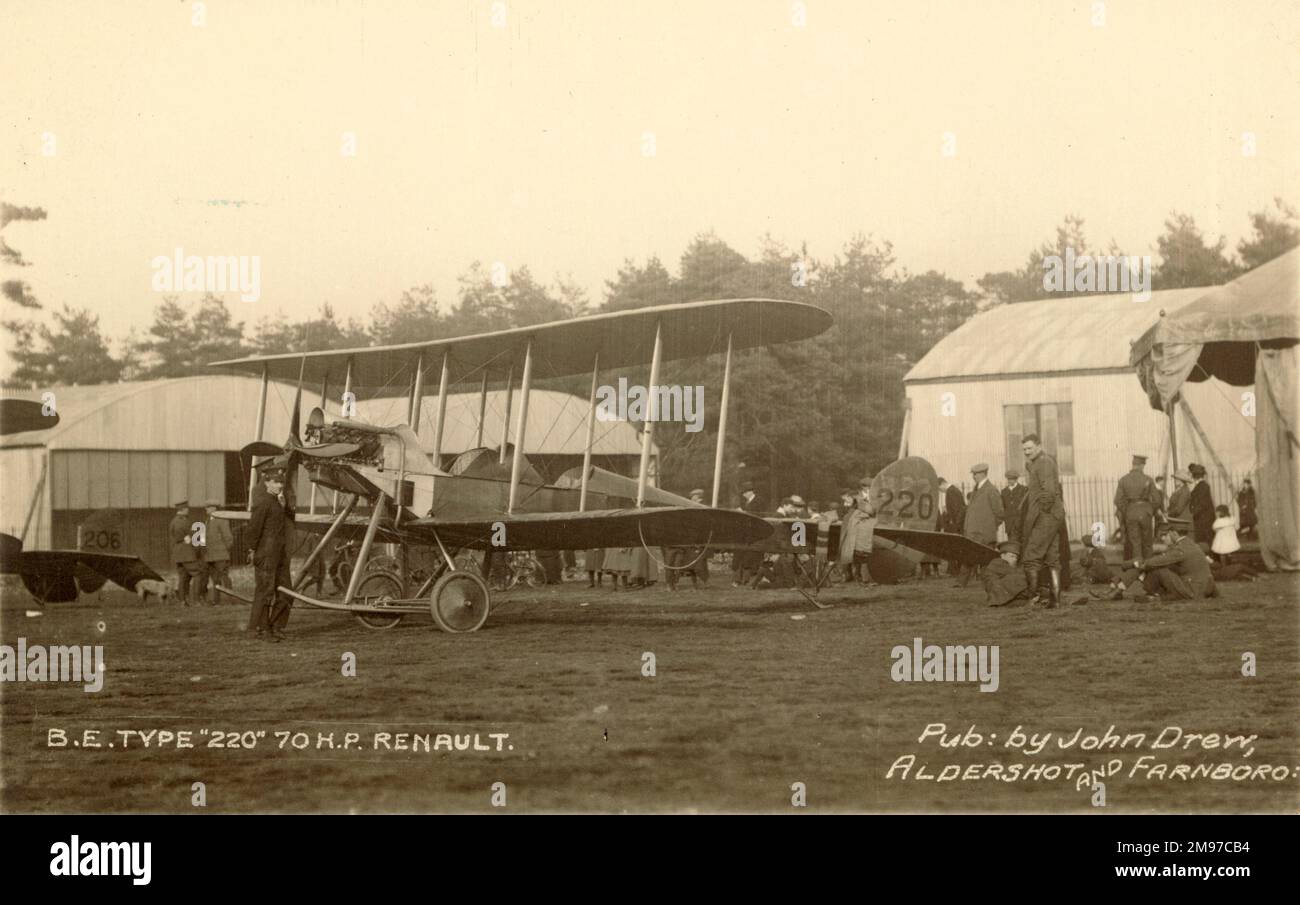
(807, 417)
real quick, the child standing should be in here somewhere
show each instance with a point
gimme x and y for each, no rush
(1225, 535)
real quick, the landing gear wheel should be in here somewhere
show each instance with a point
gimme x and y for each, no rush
(459, 602)
(378, 589)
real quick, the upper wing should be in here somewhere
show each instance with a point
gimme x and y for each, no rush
(621, 338)
(655, 527)
(953, 547)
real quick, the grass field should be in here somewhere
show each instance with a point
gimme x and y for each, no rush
(753, 693)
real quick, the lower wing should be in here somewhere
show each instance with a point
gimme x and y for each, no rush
(952, 547)
(53, 575)
(655, 527)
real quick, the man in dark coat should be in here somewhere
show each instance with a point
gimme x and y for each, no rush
(216, 554)
(747, 564)
(1003, 580)
(268, 538)
(1202, 505)
(1180, 501)
(1135, 509)
(983, 514)
(1246, 506)
(954, 508)
(186, 556)
(1013, 501)
(1044, 513)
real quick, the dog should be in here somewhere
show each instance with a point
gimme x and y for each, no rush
(161, 589)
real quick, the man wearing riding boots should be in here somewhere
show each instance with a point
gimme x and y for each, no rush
(1044, 512)
(268, 537)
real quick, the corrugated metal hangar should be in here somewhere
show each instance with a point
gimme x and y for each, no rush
(1060, 368)
(136, 448)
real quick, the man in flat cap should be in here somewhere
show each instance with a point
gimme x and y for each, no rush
(1135, 509)
(184, 553)
(219, 541)
(983, 514)
(268, 536)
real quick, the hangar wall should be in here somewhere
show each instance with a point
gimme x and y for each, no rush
(1111, 419)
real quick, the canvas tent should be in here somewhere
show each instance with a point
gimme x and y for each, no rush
(1243, 332)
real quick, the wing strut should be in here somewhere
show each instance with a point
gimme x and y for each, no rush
(324, 396)
(482, 411)
(722, 425)
(517, 465)
(417, 395)
(348, 411)
(325, 539)
(363, 554)
(647, 432)
(261, 423)
(442, 413)
(505, 422)
(591, 435)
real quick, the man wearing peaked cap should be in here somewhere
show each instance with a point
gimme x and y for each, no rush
(268, 537)
(219, 541)
(184, 553)
(1135, 509)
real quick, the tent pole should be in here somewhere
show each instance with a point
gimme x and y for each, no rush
(722, 425)
(591, 435)
(647, 433)
(261, 423)
(907, 428)
(517, 465)
(1200, 432)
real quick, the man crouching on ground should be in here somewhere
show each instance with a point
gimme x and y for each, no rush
(268, 544)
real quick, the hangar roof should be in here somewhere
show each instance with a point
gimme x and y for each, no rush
(1080, 333)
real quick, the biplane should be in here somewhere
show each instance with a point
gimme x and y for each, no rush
(58, 576)
(388, 488)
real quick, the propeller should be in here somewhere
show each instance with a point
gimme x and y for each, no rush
(293, 448)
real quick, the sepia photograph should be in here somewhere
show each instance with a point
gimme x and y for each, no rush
(661, 407)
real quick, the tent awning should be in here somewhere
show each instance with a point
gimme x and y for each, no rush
(1216, 335)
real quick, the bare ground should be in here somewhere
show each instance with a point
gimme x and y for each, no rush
(753, 692)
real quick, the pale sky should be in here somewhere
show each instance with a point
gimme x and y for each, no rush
(525, 143)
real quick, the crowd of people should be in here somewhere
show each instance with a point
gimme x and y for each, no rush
(1199, 538)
